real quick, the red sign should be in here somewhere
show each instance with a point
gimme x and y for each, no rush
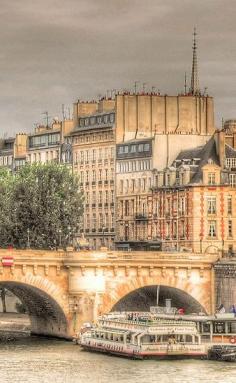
(7, 261)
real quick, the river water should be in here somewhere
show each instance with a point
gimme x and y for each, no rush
(40, 360)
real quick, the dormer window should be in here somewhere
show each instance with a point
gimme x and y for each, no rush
(211, 178)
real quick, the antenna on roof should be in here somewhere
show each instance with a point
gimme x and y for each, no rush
(63, 112)
(135, 86)
(185, 83)
(46, 118)
(144, 86)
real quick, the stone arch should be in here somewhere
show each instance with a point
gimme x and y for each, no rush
(145, 297)
(45, 303)
(199, 290)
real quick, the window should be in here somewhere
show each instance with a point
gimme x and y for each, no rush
(121, 186)
(167, 179)
(126, 149)
(212, 229)
(87, 197)
(167, 230)
(126, 207)
(94, 197)
(182, 205)
(140, 148)
(94, 155)
(132, 185)
(106, 174)
(106, 196)
(133, 148)
(230, 228)
(211, 178)
(232, 179)
(112, 220)
(231, 162)
(229, 204)
(94, 176)
(87, 176)
(100, 174)
(112, 196)
(100, 197)
(211, 205)
(94, 221)
(146, 147)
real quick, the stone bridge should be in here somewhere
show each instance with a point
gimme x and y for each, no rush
(61, 290)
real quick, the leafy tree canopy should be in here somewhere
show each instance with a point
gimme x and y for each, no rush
(40, 206)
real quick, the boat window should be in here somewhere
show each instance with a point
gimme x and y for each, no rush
(206, 327)
(232, 327)
(219, 327)
(188, 339)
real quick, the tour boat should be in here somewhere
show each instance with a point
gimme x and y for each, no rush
(142, 336)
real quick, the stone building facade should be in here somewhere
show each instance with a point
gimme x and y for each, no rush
(190, 205)
(133, 184)
(13, 152)
(93, 142)
(46, 144)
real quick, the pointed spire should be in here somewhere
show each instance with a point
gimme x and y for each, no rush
(194, 90)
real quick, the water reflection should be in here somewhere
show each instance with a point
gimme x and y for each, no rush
(40, 360)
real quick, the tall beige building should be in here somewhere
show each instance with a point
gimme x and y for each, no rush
(93, 141)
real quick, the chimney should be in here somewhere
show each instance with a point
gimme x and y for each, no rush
(220, 146)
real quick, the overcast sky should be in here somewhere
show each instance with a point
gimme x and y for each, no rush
(56, 51)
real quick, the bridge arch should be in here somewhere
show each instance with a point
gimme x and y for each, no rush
(145, 297)
(44, 303)
(182, 289)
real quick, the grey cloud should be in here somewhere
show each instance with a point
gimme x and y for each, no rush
(55, 51)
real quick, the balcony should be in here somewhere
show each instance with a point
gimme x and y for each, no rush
(93, 230)
(106, 182)
(93, 204)
(100, 204)
(99, 182)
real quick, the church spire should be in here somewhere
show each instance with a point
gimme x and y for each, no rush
(194, 89)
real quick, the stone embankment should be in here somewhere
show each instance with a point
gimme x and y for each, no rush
(13, 325)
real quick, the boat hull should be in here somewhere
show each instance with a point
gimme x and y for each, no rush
(145, 355)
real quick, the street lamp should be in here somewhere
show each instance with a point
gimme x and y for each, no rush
(59, 231)
(69, 233)
(28, 238)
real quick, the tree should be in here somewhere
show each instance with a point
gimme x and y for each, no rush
(42, 206)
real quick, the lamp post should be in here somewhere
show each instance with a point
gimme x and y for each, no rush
(69, 233)
(59, 231)
(28, 238)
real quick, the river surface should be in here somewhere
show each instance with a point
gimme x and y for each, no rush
(40, 360)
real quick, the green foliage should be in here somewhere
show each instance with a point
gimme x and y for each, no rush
(41, 203)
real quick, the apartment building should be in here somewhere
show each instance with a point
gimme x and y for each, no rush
(133, 184)
(13, 152)
(50, 143)
(93, 142)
